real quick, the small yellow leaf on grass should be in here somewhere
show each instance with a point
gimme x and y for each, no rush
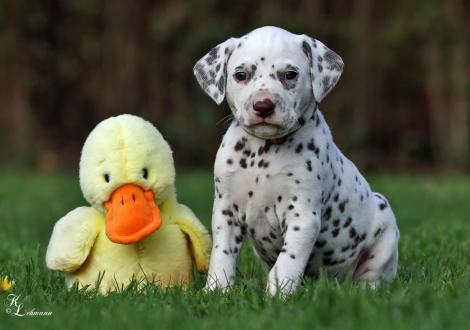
(6, 284)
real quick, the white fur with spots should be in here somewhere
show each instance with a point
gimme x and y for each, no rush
(280, 179)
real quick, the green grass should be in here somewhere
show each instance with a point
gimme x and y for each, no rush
(432, 290)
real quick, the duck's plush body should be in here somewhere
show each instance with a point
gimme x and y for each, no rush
(134, 228)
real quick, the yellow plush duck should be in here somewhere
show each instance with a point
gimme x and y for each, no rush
(135, 228)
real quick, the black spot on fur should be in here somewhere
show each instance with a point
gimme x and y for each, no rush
(263, 164)
(320, 244)
(352, 232)
(311, 146)
(377, 232)
(227, 212)
(329, 262)
(342, 205)
(336, 197)
(333, 60)
(328, 253)
(326, 84)
(309, 165)
(239, 146)
(265, 148)
(266, 239)
(212, 55)
(362, 237)
(307, 50)
(327, 214)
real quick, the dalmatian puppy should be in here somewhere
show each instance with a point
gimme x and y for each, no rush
(280, 178)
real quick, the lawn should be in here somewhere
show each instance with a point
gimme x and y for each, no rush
(432, 290)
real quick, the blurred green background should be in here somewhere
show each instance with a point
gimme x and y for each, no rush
(402, 103)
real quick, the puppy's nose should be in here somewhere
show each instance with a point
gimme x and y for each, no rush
(264, 108)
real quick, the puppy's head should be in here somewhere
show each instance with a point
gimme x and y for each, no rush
(270, 77)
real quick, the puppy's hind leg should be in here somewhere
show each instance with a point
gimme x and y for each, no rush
(380, 261)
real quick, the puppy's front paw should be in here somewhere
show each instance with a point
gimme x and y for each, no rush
(280, 284)
(214, 283)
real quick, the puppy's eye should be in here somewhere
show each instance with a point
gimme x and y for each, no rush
(290, 75)
(106, 177)
(145, 173)
(240, 76)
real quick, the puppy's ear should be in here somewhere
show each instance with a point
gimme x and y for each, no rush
(211, 69)
(325, 66)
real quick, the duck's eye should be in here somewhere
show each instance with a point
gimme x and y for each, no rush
(290, 75)
(106, 177)
(145, 173)
(240, 76)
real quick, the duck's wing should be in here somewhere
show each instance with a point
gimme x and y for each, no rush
(198, 236)
(72, 239)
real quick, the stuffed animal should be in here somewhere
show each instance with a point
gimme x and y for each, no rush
(134, 228)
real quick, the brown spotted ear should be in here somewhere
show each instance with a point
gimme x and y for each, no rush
(211, 70)
(325, 66)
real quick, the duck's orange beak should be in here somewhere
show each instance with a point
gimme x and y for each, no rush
(131, 214)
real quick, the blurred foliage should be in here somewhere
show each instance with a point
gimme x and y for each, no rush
(403, 100)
